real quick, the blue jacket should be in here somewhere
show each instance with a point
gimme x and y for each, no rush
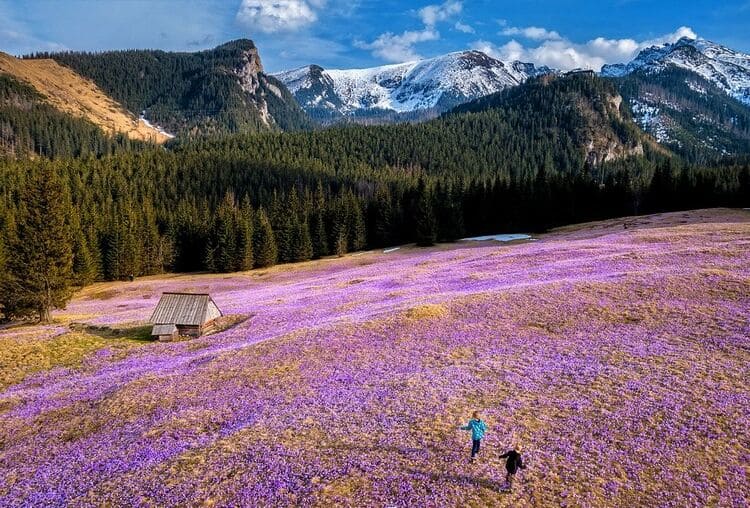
(477, 428)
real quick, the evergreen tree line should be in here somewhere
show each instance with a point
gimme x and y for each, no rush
(61, 227)
(509, 163)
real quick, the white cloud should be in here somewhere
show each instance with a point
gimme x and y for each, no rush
(532, 32)
(271, 16)
(399, 48)
(18, 38)
(560, 53)
(683, 31)
(463, 27)
(432, 14)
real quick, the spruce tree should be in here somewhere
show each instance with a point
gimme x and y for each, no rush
(223, 245)
(264, 243)
(317, 224)
(356, 224)
(41, 268)
(244, 255)
(383, 220)
(153, 247)
(3, 276)
(425, 228)
(84, 269)
(302, 244)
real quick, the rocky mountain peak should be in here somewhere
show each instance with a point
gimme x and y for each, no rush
(425, 87)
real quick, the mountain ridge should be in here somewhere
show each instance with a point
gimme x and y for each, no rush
(726, 68)
(219, 90)
(432, 85)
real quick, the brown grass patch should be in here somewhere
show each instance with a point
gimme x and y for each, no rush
(104, 294)
(75, 95)
(24, 355)
(426, 311)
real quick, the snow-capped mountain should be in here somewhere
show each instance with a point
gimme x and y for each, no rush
(727, 69)
(429, 86)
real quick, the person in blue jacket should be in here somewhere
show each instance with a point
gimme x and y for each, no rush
(477, 428)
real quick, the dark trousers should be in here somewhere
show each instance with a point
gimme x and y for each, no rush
(475, 446)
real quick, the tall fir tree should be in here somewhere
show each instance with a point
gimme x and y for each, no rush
(152, 242)
(222, 247)
(244, 255)
(41, 268)
(383, 218)
(302, 248)
(84, 267)
(319, 236)
(356, 227)
(425, 227)
(3, 275)
(264, 243)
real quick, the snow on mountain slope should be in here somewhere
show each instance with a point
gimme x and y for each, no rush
(437, 84)
(727, 69)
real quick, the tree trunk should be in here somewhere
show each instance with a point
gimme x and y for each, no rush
(44, 316)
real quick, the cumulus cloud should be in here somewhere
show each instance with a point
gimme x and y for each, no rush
(400, 47)
(560, 53)
(463, 27)
(271, 16)
(432, 14)
(532, 32)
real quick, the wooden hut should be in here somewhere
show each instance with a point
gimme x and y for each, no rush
(188, 314)
(164, 332)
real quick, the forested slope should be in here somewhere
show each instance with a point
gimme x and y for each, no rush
(29, 126)
(223, 90)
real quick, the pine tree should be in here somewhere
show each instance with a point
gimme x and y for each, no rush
(41, 268)
(302, 249)
(264, 243)
(3, 276)
(153, 246)
(425, 229)
(223, 244)
(383, 220)
(449, 214)
(244, 255)
(338, 218)
(84, 269)
(318, 225)
(356, 224)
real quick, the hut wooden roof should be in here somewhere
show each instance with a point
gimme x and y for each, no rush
(185, 309)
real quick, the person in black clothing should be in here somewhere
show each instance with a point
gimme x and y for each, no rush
(513, 462)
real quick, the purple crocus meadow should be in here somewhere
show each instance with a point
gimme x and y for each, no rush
(617, 360)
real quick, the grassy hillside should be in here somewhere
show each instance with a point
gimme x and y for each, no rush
(69, 93)
(31, 127)
(595, 344)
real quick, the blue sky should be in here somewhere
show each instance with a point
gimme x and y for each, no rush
(361, 33)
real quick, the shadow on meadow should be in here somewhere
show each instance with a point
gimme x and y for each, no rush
(141, 333)
(461, 480)
(478, 479)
